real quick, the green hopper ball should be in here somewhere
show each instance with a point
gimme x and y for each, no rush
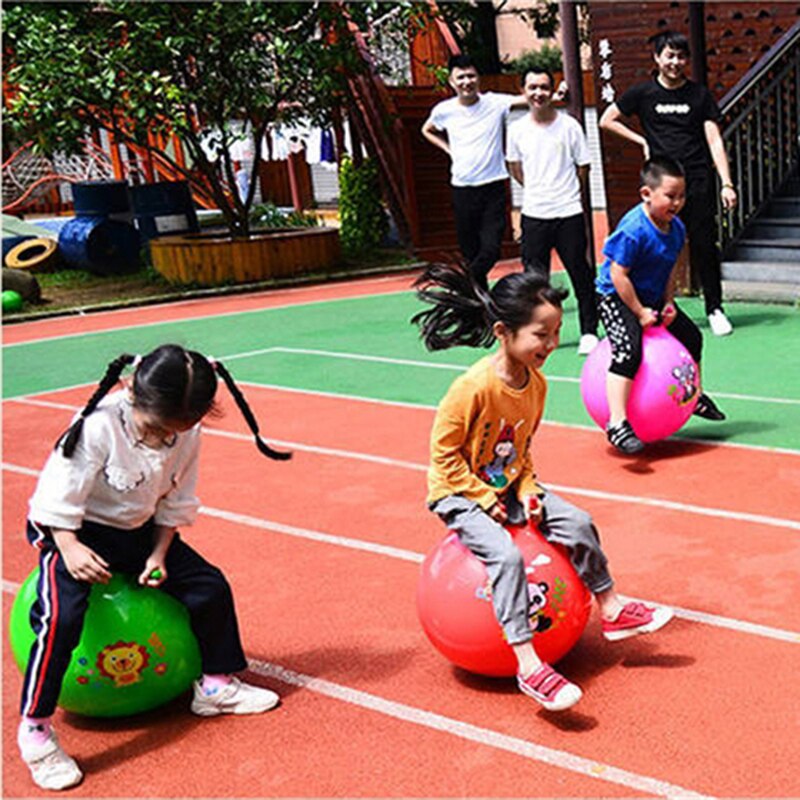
(12, 301)
(136, 651)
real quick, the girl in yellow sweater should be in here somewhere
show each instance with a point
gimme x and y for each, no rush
(481, 475)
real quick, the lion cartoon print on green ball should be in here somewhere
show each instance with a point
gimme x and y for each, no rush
(136, 651)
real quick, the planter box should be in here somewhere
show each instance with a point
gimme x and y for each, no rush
(213, 259)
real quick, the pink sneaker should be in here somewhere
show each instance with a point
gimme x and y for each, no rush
(636, 618)
(549, 688)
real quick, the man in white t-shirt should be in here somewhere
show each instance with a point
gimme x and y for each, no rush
(549, 155)
(470, 128)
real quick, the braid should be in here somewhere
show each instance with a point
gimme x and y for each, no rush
(248, 414)
(462, 312)
(69, 439)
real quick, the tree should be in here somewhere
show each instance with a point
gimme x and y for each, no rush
(195, 69)
(475, 26)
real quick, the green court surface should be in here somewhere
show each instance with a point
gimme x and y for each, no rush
(366, 347)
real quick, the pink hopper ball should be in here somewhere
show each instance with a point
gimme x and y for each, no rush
(665, 389)
(455, 608)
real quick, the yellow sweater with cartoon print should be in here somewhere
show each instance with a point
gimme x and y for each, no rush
(480, 442)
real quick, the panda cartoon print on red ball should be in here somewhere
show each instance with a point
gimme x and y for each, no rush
(454, 604)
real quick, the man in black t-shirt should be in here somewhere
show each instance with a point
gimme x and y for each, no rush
(680, 120)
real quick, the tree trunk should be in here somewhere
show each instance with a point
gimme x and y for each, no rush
(486, 27)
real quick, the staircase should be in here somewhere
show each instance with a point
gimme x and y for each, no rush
(765, 261)
(430, 173)
(760, 239)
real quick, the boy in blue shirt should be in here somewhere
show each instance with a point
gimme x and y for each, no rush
(636, 288)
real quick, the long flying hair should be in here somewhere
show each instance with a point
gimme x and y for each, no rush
(462, 313)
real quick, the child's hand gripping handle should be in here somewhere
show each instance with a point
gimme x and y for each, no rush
(532, 506)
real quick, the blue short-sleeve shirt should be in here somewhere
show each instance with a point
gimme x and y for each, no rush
(648, 254)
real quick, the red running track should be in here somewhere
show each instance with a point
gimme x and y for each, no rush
(678, 708)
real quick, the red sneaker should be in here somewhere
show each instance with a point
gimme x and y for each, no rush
(636, 618)
(549, 688)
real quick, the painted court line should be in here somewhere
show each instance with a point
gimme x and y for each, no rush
(385, 359)
(463, 730)
(461, 368)
(473, 733)
(740, 626)
(411, 556)
(671, 505)
(178, 320)
(31, 399)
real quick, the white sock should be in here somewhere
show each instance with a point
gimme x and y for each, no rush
(33, 731)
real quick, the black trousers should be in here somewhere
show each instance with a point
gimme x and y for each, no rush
(58, 612)
(568, 236)
(625, 335)
(699, 215)
(480, 213)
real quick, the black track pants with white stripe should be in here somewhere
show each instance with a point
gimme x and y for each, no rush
(57, 614)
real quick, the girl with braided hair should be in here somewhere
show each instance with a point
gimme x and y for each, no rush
(111, 497)
(481, 476)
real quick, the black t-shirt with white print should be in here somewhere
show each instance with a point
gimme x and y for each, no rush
(672, 120)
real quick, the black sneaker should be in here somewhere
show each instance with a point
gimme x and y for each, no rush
(624, 439)
(707, 409)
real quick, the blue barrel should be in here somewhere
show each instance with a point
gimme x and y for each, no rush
(164, 207)
(103, 246)
(102, 199)
(54, 224)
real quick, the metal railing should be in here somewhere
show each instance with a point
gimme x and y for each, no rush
(761, 130)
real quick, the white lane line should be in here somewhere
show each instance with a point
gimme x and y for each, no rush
(742, 516)
(31, 473)
(463, 730)
(374, 548)
(200, 318)
(560, 759)
(671, 505)
(237, 518)
(461, 368)
(434, 365)
(314, 536)
(402, 404)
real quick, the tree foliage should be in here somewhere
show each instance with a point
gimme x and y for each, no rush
(474, 25)
(549, 58)
(196, 69)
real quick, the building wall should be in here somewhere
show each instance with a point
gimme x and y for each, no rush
(515, 35)
(737, 35)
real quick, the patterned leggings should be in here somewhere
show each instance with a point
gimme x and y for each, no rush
(625, 335)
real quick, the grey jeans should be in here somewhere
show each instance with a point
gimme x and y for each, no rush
(562, 523)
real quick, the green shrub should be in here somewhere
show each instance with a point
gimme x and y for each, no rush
(549, 57)
(361, 213)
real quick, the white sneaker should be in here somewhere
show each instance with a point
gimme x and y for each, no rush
(50, 766)
(587, 343)
(235, 698)
(720, 325)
